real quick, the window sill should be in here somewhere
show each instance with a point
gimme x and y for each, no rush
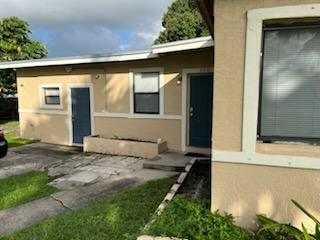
(288, 149)
(51, 107)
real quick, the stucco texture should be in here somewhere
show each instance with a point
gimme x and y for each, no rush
(243, 189)
(39, 126)
(111, 94)
(246, 190)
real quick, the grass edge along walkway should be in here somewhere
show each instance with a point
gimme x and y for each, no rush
(121, 216)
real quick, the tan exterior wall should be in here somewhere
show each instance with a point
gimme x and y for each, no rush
(39, 126)
(111, 92)
(245, 189)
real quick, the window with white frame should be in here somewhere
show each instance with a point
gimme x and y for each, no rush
(290, 84)
(51, 96)
(146, 92)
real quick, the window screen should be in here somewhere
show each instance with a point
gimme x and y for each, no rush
(290, 98)
(52, 96)
(146, 93)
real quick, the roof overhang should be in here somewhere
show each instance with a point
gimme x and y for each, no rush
(154, 52)
(206, 10)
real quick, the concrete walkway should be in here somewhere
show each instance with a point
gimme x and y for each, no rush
(37, 156)
(82, 177)
(25, 215)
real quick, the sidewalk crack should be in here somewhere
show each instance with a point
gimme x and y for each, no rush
(62, 204)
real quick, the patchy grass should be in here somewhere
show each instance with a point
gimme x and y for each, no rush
(24, 188)
(14, 141)
(12, 133)
(190, 219)
(122, 216)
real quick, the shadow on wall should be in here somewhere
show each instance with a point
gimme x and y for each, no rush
(246, 190)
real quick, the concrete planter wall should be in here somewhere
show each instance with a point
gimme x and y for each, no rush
(120, 147)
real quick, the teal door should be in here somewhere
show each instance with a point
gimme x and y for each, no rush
(200, 120)
(81, 114)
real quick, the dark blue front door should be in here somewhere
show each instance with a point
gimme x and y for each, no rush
(81, 114)
(200, 122)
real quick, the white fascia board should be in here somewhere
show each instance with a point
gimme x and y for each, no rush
(184, 45)
(80, 60)
(197, 43)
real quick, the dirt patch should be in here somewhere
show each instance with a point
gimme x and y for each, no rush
(198, 182)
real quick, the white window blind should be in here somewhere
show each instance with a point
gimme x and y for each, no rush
(52, 96)
(146, 93)
(146, 82)
(290, 100)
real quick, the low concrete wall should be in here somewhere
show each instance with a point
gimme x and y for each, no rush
(123, 147)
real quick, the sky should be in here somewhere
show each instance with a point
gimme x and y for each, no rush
(82, 27)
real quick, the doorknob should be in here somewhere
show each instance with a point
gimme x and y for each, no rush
(191, 111)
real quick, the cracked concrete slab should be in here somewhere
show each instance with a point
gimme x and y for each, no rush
(25, 215)
(83, 177)
(81, 197)
(20, 217)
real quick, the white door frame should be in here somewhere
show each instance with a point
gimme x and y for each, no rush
(186, 72)
(79, 85)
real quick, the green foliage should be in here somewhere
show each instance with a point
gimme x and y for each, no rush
(272, 230)
(188, 219)
(24, 188)
(16, 44)
(121, 216)
(182, 21)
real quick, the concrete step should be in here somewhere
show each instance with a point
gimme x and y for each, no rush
(168, 161)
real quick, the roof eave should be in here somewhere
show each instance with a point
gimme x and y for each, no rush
(154, 52)
(206, 9)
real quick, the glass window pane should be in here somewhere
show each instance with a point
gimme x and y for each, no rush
(147, 103)
(290, 102)
(50, 100)
(146, 82)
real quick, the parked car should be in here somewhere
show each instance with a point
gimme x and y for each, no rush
(3, 145)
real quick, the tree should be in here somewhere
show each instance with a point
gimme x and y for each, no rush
(16, 44)
(182, 21)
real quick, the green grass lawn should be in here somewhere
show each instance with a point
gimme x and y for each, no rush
(15, 141)
(24, 188)
(122, 216)
(12, 133)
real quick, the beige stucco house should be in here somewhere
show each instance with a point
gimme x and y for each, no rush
(141, 95)
(266, 108)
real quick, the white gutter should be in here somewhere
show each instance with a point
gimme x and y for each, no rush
(184, 45)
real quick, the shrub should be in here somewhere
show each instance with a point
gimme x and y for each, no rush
(188, 219)
(271, 229)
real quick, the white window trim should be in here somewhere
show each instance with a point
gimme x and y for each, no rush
(161, 91)
(45, 112)
(43, 105)
(248, 155)
(79, 85)
(137, 116)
